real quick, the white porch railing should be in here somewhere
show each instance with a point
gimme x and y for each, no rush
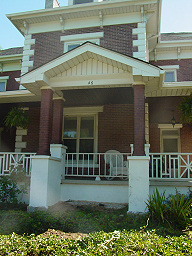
(11, 161)
(99, 165)
(170, 165)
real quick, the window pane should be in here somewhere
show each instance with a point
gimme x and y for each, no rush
(86, 146)
(170, 76)
(70, 127)
(170, 145)
(2, 86)
(174, 132)
(87, 127)
(82, 1)
(72, 46)
(71, 145)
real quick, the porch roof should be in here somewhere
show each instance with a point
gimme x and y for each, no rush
(91, 66)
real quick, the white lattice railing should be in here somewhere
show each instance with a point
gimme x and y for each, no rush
(170, 165)
(108, 165)
(13, 161)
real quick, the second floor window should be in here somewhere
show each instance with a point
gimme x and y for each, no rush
(82, 1)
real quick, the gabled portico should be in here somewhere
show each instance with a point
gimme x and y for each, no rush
(93, 69)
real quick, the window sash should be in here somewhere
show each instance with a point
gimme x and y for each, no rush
(78, 139)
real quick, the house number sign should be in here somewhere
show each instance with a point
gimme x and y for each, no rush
(90, 82)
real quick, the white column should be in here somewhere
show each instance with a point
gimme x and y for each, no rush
(138, 183)
(59, 151)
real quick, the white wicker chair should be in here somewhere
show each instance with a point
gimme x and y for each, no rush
(117, 166)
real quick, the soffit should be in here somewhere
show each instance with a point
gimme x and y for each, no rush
(18, 96)
(81, 11)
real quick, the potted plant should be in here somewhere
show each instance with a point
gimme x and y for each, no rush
(17, 117)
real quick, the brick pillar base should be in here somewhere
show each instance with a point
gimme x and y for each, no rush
(139, 120)
(45, 128)
(57, 121)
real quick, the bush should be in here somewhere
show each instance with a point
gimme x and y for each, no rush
(176, 210)
(100, 243)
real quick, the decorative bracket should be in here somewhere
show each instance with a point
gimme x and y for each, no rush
(178, 53)
(26, 26)
(142, 14)
(62, 24)
(101, 19)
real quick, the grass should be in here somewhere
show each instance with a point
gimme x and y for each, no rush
(111, 232)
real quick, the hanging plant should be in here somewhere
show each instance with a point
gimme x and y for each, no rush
(186, 110)
(17, 117)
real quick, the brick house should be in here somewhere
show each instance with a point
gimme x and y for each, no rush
(97, 77)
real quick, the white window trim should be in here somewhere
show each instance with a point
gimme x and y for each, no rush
(81, 38)
(171, 68)
(85, 111)
(169, 127)
(3, 79)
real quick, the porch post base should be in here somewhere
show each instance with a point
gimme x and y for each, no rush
(45, 182)
(138, 183)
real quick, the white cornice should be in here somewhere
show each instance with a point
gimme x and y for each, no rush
(81, 11)
(5, 58)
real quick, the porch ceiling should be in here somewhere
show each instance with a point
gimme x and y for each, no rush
(90, 66)
(97, 97)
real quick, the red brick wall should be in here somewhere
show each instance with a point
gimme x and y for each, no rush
(160, 112)
(115, 128)
(32, 137)
(186, 138)
(11, 83)
(48, 46)
(184, 73)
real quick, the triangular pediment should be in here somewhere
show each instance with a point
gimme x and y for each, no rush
(88, 61)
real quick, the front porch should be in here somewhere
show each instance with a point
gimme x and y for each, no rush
(89, 177)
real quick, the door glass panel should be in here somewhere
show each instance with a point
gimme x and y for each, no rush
(71, 145)
(170, 145)
(70, 127)
(86, 146)
(87, 127)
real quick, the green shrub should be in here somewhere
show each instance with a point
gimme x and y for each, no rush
(156, 205)
(100, 243)
(179, 209)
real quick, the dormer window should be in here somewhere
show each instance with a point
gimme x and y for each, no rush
(170, 73)
(3, 83)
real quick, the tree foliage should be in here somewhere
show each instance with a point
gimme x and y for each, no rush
(186, 110)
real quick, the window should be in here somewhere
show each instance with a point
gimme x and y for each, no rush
(82, 1)
(3, 83)
(79, 134)
(170, 73)
(72, 41)
(170, 76)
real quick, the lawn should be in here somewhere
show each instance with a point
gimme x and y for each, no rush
(95, 231)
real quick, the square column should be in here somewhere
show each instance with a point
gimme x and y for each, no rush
(45, 128)
(139, 119)
(57, 121)
(138, 183)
